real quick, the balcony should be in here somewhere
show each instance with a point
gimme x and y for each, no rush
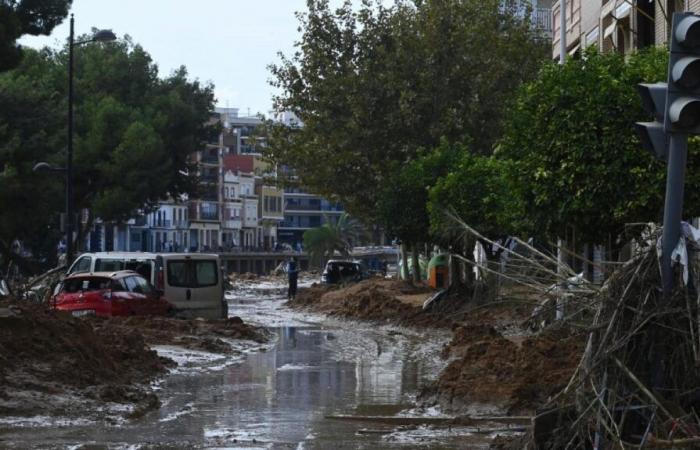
(162, 223)
(542, 19)
(232, 224)
(209, 177)
(204, 211)
(210, 159)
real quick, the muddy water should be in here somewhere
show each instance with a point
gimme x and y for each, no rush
(281, 396)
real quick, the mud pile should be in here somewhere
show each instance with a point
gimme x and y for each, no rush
(376, 299)
(207, 335)
(48, 360)
(491, 373)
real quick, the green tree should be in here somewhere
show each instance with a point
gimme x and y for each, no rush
(402, 206)
(480, 190)
(373, 85)
(20, 17)
(576, 158)
(133, 136)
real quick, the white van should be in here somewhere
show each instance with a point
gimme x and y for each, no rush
(191, 282)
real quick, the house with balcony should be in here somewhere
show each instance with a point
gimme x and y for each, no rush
(303, 211)
(620, 26)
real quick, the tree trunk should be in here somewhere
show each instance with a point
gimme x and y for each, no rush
(404, 260)
(561, 260)
(416, 265)
(454, 270)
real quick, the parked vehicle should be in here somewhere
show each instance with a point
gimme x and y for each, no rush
(343, 271)
(192, 282)
(122, 293)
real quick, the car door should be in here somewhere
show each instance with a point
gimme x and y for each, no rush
(136, 301)
(151, 302)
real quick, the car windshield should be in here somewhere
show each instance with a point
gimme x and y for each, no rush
(86, 284)
(344, 268)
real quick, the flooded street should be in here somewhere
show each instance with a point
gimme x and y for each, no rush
(281, 395)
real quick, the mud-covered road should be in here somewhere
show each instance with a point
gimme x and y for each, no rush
(283, 394)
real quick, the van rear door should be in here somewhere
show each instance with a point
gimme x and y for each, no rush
(193, 284)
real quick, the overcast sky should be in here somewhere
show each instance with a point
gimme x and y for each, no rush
(228, 42)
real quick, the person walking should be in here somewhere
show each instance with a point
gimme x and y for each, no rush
(292, 275)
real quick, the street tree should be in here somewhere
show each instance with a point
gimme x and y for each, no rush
(576, 158)
(402, 206)
(20, 17)
(373, 85)
(134, 132)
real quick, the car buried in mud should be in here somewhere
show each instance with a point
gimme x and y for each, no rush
(343, 271)
(122, 293)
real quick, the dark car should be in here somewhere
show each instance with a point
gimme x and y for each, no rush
(343, 271)
(122, 293)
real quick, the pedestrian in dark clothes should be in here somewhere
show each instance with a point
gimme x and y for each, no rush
(292, 274)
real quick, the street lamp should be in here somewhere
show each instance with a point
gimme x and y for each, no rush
(98, 36)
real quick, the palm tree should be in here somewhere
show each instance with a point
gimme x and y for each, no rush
(323, 242)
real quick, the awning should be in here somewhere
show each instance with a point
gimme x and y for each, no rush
(609, 30)
(623, 10)
(592, 36)
(574, 49)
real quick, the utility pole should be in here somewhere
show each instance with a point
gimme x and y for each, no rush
(562, 32)
(559, 310)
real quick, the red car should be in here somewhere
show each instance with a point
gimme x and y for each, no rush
(123, 293)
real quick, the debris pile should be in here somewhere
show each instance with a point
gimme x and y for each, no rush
(638, 380)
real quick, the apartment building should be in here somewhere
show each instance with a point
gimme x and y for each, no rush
(615, 25)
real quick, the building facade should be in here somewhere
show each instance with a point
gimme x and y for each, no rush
(615, 25)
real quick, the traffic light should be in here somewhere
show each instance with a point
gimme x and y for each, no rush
(652, 134)
(683, 100)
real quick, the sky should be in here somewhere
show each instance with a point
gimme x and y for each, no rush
(227, 42)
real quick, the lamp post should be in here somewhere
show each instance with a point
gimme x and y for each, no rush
(99, 36)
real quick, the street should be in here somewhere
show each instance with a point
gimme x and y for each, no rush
(279, 396)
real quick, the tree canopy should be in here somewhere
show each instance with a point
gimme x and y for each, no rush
(20, 17)
(375, 84)
(134, 132)
(577, 158)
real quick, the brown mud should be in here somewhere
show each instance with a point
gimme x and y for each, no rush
(496, 366)
(55, 365)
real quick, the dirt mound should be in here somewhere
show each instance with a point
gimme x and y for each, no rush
(373, 299)
(497, 374)
(204, 335)
(46, 357)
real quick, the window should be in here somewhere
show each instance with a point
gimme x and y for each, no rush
(83, 265)
(86, 284)
(108, 265)
(142, 286)
(131, 284)
(192, 273)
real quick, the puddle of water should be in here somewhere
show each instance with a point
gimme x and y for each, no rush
(280, 398)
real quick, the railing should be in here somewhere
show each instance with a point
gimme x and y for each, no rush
(542, 19)
(162, 223)
(209, 159)
(209, 177)
(203, 211)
